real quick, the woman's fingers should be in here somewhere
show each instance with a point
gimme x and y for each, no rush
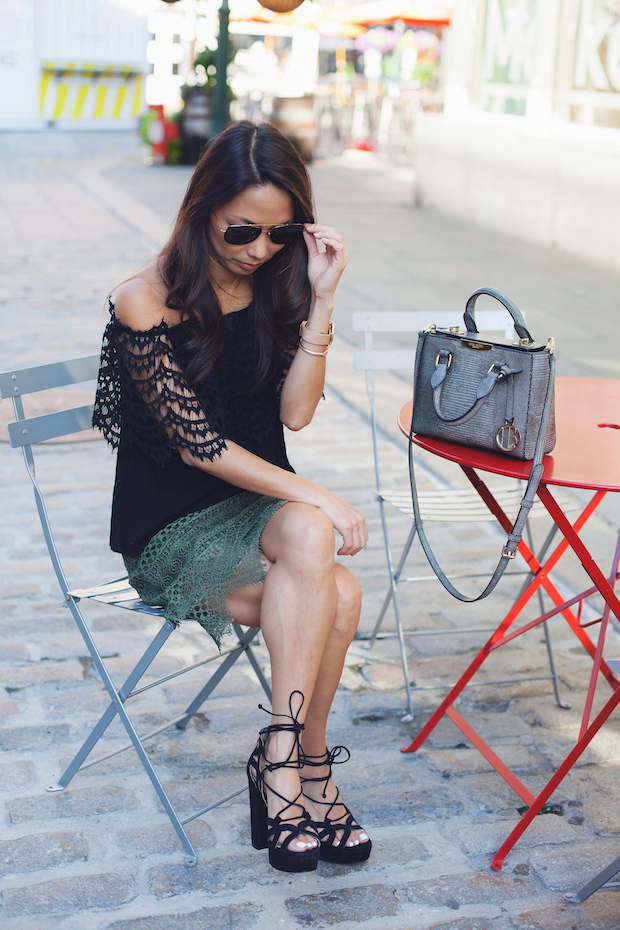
(353, 531)
(311, 244)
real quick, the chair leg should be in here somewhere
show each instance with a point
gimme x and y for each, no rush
(388, 597)
(541, 603)
(244, 646)
(579, 897)
(192, 858)
(109, 715)
(119, 708)
(394, 576)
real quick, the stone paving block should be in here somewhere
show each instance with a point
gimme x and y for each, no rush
(14, 652)
(445, 735)
(453, 891)
(229, 917)
(42, 851)
(9, 708)
(198, 748)
(389, 853)
(352, 679)
(15, 775)
(80, 802)
(213, 876)
(191, 793)
(493, 795)
(602, 813)
(466, 923)
(600, 912)
(19, 590)
(356, 905)
(486, 838)
(384, 676)
(555, 748)
(391, 807)
(34, 737)
(569, 868)
(27, 676)
(68, 895)
(145, 840)
(471, 762)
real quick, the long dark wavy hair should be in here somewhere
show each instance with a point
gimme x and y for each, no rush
(243, 156)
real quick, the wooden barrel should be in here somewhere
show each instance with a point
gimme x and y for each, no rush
(296, 119)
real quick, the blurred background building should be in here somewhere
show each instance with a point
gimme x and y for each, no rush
(508, 109)
(529, 139)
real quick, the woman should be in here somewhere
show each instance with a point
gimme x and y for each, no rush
(202, 363)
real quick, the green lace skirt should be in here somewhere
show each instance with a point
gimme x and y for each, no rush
(189, 567)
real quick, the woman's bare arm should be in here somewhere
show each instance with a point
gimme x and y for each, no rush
(246, 470)
(304, 383)
(138, 308)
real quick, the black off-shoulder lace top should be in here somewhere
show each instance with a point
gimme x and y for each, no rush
(145, 408)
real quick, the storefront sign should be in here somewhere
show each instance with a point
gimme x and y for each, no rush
(508, 54)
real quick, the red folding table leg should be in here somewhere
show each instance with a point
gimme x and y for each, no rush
(539, 578)
(553, 782)
(598, 656)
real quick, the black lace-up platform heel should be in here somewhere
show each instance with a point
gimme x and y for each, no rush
(277, 833)
(338, 817)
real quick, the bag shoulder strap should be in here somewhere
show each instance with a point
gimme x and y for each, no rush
(514, 537)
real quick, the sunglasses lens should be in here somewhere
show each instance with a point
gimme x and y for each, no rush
(241, 235)
(282, 235)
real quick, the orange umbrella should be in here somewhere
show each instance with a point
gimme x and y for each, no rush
(337, 21)
(431, 15)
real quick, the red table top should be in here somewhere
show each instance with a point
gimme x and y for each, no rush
(587, 452)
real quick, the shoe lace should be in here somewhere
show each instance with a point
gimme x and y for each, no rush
(330, 758)
(292, 759)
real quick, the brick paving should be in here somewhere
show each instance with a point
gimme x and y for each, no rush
(102, 854)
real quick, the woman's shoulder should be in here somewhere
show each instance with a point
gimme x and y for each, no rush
(140, 302)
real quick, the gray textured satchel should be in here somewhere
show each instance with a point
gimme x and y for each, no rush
(486, 394)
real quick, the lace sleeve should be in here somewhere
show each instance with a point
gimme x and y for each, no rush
(142, 392)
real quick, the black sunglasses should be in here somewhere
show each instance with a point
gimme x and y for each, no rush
(279, 235)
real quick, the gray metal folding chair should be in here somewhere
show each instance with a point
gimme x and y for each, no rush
(443, 505)
(25, 433)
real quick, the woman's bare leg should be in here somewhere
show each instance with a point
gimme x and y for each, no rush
(308, 609)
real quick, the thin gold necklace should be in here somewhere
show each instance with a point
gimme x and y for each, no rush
(234, 296)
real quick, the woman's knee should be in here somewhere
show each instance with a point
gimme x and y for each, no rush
(349, 601)
(303, 534)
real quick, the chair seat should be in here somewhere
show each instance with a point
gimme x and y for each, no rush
(118, 593)
(465, 505)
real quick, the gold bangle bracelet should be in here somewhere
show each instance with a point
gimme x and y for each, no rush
(316, 339)
(310, 352)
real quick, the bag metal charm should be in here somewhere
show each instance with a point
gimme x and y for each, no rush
(508, 436)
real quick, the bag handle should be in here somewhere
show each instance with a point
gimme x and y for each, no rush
(495, 372)
(509, 551)
(470, 323)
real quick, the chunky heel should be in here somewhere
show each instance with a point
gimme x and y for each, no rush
(277, 833)
(258, 816)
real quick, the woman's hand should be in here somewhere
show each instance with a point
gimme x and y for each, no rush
(324, 268)
(349, 522)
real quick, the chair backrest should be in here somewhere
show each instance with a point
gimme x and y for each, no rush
(370, 359)
(28, 431)
(412, 321)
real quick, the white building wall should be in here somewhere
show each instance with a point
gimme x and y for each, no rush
(18, 76)
(73, 63)
(529, 143)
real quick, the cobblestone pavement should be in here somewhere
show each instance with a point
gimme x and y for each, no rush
(102, 855)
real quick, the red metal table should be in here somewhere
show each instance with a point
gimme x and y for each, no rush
(587, 456)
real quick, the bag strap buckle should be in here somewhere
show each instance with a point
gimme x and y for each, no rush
(444, 357)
